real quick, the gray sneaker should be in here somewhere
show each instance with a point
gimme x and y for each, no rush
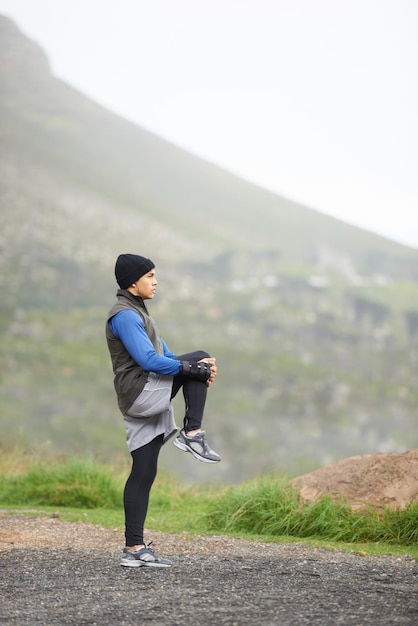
(197, 445)
(144, 557)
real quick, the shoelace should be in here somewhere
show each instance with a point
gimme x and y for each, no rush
(147, 547)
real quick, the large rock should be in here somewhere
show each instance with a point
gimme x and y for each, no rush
(380, 480)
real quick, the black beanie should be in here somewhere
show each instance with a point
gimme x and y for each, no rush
(130, 267)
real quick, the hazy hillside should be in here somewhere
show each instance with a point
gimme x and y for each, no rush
(314, 322)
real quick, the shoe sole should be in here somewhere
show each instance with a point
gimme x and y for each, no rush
(196, 455)
(139, 563)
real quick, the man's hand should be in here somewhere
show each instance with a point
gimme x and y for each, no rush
(213, 369)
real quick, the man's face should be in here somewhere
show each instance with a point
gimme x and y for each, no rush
(146, 285)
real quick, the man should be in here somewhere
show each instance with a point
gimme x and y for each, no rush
(147, 377)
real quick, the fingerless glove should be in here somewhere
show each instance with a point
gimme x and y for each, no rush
(198, 371)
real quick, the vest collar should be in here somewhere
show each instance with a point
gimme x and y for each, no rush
(124, 293)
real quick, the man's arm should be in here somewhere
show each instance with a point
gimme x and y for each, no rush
(129, 328)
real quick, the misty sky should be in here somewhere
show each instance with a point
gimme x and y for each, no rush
(314, 99)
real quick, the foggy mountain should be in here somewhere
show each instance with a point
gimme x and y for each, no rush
(314, 322)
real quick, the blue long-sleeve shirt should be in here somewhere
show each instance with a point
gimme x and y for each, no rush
(129, 328)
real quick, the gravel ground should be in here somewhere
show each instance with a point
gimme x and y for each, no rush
(54, 572)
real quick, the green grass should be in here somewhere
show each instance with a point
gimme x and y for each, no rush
(73, 483)
(269, 506)
(265, 509)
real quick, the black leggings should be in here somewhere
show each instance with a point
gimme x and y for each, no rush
(194, 392)
(145, 459)
(137, 489)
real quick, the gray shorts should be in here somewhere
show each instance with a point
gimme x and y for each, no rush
(154, 399)
(151, 414)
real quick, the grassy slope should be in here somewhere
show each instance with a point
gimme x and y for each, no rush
(265, 509)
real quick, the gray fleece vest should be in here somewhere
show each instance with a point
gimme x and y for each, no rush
(130, 378)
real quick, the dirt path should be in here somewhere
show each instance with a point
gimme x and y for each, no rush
(54, 572)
